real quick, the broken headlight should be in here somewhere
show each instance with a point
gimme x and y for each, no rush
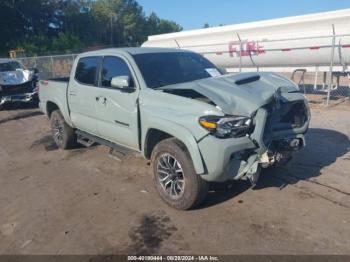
(226, 126)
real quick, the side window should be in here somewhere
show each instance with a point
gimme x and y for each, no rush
(114, 66)
(87, 69)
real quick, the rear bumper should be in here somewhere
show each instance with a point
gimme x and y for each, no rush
(23, 98)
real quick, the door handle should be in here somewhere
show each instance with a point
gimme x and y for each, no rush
(104, 99)
(72, 93)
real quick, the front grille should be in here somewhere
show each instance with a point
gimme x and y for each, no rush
(284, 116)
(290, 115)
(17, 89)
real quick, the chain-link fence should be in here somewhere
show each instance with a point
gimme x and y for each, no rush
(50, 66)
(315, 85)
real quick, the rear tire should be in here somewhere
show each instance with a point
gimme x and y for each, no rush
(63, 135)
(174, 176)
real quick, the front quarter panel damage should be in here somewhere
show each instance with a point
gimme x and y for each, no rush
(265, 100)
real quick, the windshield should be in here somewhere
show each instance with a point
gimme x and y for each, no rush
(10, 66)
(161, 69)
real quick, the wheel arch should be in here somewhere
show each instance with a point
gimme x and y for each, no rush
(50, 107)
(54, 105)
(153, 137)
(163, 129)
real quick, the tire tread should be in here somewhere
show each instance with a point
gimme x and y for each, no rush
(69, 139)
(198, 187)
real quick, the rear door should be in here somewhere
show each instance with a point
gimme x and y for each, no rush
(117, 108)
(82, 93)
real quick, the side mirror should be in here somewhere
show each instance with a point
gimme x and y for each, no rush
(121, 82)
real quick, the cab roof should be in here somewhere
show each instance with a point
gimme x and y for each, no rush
(133, 51)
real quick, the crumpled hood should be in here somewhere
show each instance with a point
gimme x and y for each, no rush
(243, 99)
(16, 77)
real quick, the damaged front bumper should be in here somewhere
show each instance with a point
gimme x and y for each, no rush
(243, 158)
(22, 98)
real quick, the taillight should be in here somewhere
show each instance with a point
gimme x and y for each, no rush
(44, 82)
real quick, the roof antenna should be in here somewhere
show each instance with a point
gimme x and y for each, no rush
(177, 44)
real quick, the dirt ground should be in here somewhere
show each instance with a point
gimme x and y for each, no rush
(83, 201)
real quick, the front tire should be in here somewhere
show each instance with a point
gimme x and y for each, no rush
(174, 176)
(63, 135)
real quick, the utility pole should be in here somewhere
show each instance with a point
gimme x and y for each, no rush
(330, 80)
(111, 21)
(113, 18)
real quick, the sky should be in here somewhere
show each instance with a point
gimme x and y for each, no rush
(193, 14)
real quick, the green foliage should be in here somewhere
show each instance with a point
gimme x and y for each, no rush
(155, 25)
(65, 42)
(206, 25)
(41, 44)
(63, 26)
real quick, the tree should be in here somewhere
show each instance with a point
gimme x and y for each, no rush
(20, 20)
(50, 26)
(155, 25)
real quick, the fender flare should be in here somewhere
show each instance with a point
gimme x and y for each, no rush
(60, 106)
(179, 132)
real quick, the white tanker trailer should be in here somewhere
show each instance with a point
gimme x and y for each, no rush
(299, 41)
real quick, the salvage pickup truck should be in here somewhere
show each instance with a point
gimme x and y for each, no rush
(177, 109)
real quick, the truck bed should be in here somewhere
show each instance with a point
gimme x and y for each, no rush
(55, 91)
(59, 79)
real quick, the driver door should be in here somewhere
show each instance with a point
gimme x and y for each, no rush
(117, 109)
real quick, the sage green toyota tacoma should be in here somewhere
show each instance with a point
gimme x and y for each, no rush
(177, 109)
